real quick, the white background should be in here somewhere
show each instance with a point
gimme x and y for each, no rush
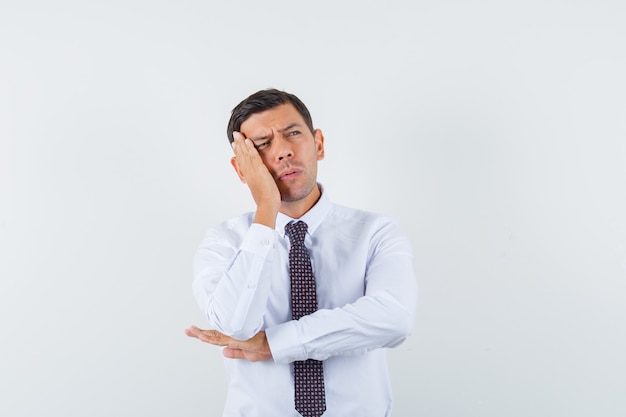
(495, 132)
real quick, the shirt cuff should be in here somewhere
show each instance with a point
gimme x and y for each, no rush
(284, 343)
(259, 239)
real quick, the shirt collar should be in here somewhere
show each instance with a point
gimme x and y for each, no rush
(313, 218)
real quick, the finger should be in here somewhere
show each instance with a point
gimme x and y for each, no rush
(209, 336)
(215, 338)
(250, 145)
(193, 331)
(243, 145)
(237, 140)
(232, 353)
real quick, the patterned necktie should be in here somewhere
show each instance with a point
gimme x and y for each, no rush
(308, 375)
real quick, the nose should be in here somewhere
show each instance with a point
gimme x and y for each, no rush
(281, 157)
(283, 148)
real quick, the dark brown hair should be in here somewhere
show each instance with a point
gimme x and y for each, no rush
(264, 100)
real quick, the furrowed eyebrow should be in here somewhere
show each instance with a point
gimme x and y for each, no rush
(259, 138)
(290, 126)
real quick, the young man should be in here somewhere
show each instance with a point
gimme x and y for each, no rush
(284, 358)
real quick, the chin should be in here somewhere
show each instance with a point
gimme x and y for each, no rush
(291, 195)
(290, 198)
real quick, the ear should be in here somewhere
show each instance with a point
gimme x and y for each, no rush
(319, 144)
(233, 162)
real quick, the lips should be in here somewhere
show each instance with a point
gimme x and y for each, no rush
(288, 174)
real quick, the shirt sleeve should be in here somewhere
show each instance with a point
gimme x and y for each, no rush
(382, 317)
(230, 283)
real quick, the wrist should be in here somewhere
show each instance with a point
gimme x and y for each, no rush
(266, 215)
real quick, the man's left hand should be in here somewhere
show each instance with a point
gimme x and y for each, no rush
(254, 349)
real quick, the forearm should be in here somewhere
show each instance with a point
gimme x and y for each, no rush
(372, 322)
(266, 215)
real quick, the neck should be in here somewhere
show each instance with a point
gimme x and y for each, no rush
(297, 209)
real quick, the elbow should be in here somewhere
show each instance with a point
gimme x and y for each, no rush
(403, 309)
(399, 330)
(405, 325)
(242, 334)
(233, 328)
(399, 321)
(230, 322)
(402, 326)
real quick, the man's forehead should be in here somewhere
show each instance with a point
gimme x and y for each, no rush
(279, 118)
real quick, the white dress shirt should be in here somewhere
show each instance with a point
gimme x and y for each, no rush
(366, 291)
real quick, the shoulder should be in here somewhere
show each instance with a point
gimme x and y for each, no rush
(351, 227)
(361, 224)
(353, 216)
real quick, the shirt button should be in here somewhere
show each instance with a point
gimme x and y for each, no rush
(265, 242)
(251, 285)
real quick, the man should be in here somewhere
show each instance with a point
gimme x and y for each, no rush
(247, 279)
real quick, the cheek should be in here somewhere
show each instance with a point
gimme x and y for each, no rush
(266, 159)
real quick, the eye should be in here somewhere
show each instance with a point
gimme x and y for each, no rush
(262, 145)
(294, 133)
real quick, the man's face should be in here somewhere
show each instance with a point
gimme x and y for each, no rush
(288, 149)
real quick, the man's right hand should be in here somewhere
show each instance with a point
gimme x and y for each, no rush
(253, 350)
(260, 181)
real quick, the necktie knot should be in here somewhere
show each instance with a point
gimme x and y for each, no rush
(296, 232)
